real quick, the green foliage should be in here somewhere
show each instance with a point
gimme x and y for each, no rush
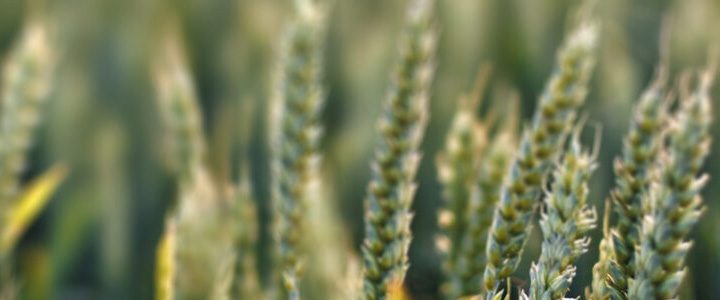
(292, 226)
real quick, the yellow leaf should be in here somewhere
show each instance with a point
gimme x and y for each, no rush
(396, 291)
(32, 200)
(165, 264)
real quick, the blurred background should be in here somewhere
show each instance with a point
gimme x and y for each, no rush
(97, 238)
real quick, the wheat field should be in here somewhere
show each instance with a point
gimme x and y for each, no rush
(337, 149)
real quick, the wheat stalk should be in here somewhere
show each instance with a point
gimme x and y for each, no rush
(201, 220)
(493, 169)
(466, 276)
(245, 284)
(296, 137)
(565, 222)
(633, 171)
(673, 205)
(564, 93)
(25, 79)
(179, 109)
(402, 125)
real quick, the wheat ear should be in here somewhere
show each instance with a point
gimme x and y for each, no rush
(25, 84)
(493, 167)
(565, 222)
(245, 283)
(200, 220)
(458, 169)
(633, 171)
(673, 205)
(296, 137)
(401, 126)
(555, 115)
(179, 108)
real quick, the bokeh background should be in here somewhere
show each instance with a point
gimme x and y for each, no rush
(97, 238)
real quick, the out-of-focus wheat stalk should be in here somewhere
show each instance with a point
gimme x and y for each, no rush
(402, 126)
(165, 264)
(563, 95)
(296, 137)
(246, 284)
(25, 84)
(673, 205)
(203, 216)
(493, 168)
(633, 171)
(178, 106)
(565, 222)
(458, 168)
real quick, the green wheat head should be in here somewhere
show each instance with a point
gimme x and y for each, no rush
(633, 171)
(201, 223)
(464, 270)
(493, 169)
(673, 205)
(245, 282)
(565, 222)
(296, 138)
(179, 109)
(26, 80)
(25, 85)
(555, 115)
(459, 168)
(401, 126)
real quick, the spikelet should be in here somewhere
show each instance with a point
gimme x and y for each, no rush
(402, 126)
(296, 137)
(565, 221)
(555, 115)
(25, 84)
(673, 205)
(633, 171)
(458, 168)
